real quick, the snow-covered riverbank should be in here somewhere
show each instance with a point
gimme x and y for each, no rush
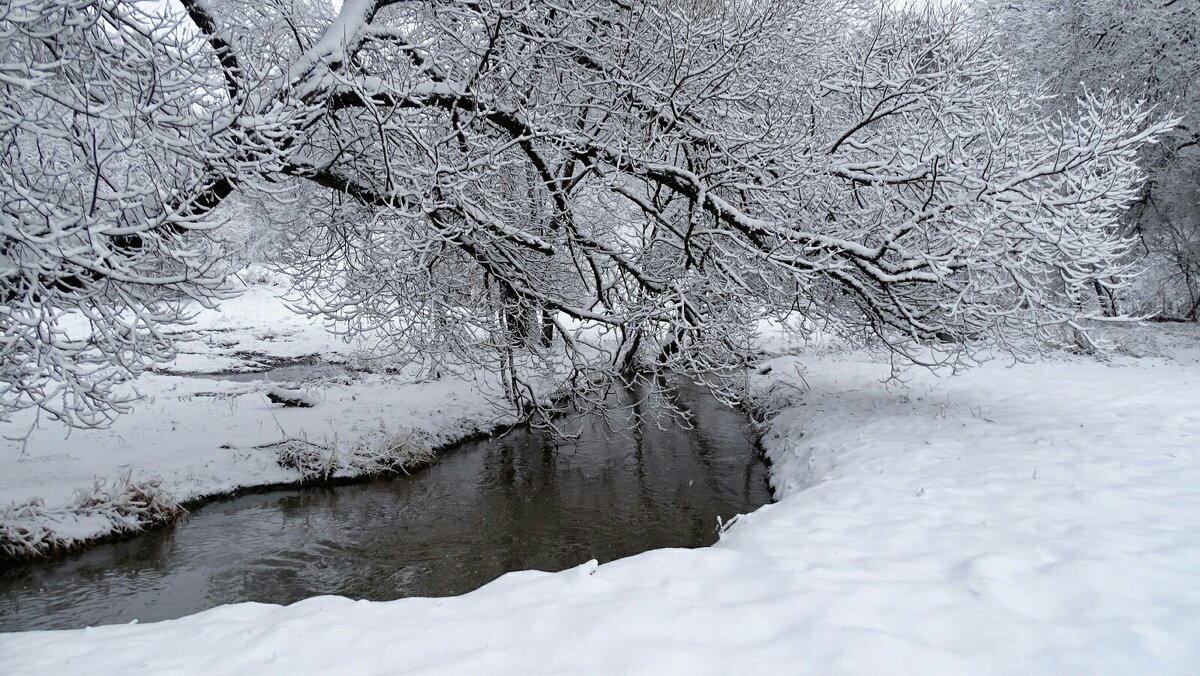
(199, 436)
(1043, 518)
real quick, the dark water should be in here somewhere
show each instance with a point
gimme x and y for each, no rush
(524, 500)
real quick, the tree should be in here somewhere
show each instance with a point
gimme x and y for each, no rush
(1147, 51)
(97, 245)
(577, 188)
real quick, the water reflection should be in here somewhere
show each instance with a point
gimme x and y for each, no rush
(525, 500)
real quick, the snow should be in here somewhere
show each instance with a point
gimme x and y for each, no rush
(204, 436)
(201, 435)
(1027, 518)
(250, 331)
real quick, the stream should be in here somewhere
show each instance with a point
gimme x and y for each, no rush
(524, 500)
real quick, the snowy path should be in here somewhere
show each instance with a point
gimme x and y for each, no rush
(1037, 519)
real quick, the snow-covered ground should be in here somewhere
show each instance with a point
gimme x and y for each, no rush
(200, 436)
(254, 330)
(1034, 518)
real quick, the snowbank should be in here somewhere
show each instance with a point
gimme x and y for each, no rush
(1041, 518)
(200, 437)
(194, 437)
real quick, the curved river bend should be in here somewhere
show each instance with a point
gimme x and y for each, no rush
(523, 500)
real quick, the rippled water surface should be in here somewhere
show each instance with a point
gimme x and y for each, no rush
(524, 500)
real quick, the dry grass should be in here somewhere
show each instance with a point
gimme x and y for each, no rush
(30, 530)
(378, 452)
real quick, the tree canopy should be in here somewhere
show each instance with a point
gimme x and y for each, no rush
(573, 187)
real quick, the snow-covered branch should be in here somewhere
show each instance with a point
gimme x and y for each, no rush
(582, 186)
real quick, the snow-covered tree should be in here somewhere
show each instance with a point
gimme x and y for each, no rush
(1147, 51)
(104, 180)
(578, 185)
